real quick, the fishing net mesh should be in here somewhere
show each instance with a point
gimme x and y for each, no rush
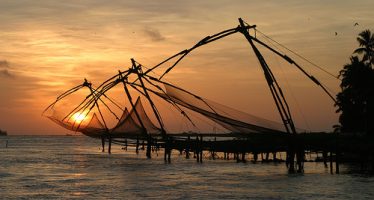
(129, 123)
(231, 119)
(91, 124)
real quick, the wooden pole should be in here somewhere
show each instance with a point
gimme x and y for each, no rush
(255, 156)
(337, 154)
(149, 147)
(324, 155)
(331, 166)
(197, 149)
(110, 144)
(102, 143)
(137, 145)
(167, 153)
(126, 144)
(188, 147)
(267, 156)
(201, 149)
(165, 150)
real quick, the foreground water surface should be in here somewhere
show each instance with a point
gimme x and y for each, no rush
(63, 167)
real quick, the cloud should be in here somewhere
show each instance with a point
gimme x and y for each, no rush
(6, 74)
(4, 64)
(154, 34)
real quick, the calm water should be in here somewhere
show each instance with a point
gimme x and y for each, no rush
(74, 168)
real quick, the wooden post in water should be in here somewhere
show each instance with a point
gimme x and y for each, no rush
(167, 152)
(255, 156)
(213, 148)
(331, 166)
(188, 147)
(165, 149)
(110, 144)
(102, 144)
(126, 145)
(337, 154)
(300, 156)
(324, 155)
(169, 149)
(197, 150)
(243, 157)
(137, 145)
(169, 155)
(300, 160)
(290, 157)
(337, 171)
(149, 147)
(372, 161)
(155, 146)
(201, 149)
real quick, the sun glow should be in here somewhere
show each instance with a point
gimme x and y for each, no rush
(79, 117)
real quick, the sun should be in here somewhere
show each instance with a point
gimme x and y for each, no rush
(79, 117)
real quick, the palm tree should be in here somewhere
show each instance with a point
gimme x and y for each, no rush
(366, 42)
(356, 100)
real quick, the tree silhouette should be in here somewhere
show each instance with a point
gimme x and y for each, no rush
(366, 42)
(356, 100)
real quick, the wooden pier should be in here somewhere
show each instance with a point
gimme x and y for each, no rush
(333, 148)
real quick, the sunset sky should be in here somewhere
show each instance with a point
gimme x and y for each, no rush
(47, 47)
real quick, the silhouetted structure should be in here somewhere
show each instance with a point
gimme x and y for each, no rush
(244, 134)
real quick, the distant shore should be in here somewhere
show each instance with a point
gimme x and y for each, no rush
(3, 133)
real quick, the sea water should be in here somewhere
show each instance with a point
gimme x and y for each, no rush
(73, 167)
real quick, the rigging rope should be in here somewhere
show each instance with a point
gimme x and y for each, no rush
(300, 56)
(290, 89)
(271, 41)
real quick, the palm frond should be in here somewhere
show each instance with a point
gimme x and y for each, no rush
(359, 50)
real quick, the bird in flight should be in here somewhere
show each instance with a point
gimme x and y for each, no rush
(356, 24)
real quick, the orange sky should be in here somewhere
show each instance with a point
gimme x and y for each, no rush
(49, 46)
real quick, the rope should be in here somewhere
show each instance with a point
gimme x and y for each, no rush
(300, 56)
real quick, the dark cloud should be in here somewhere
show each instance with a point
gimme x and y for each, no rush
(4, 64)
(154, 34)
(6, 74)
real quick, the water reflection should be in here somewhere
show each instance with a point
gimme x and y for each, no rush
(74, 167)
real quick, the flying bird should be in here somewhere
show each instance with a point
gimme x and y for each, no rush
(356, 24)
